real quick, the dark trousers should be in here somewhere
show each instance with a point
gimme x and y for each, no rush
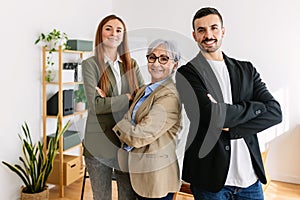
(253, 192)
(100, 173)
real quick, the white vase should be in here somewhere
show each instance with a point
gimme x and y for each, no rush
(54, 44)
(80, 106)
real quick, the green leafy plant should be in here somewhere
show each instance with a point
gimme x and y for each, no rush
(52, 40)
(36, 165)
(49, 75)
(79, 95)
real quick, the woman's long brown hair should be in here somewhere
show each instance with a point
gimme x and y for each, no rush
(123, 51)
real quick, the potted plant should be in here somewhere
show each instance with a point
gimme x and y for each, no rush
(51, 41)
(36, 164)
(80, 99)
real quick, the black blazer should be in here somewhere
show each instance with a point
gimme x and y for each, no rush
(253, 109)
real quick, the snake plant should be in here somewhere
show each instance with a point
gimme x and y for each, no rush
(36, 164)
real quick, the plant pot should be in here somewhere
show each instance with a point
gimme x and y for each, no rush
(54, 44)
(44, 195)
(50, 76)
(80, 106)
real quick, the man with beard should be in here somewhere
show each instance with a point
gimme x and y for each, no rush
(227, 104)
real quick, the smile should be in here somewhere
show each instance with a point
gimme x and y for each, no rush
(157, 70)
(113, 39)
(209, 42)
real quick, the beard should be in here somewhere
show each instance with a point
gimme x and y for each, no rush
(210, 49)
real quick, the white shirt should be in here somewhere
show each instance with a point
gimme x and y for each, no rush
(115, 67)
(241, 172)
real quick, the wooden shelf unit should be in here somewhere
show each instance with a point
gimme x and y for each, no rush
(60, 84)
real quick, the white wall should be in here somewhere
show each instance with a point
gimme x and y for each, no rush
(264, 32)
(284, 165)
(20, 82)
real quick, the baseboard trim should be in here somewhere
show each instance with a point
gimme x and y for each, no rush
(285, 178)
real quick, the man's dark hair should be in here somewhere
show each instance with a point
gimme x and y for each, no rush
(206, 11)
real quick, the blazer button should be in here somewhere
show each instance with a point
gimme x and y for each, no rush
(257, 112)
(227, 147)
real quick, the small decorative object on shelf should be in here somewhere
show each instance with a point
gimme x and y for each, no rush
(52, 41)
(36, 164)
(68, 103)
(80, 99)
(80, 45)
(76, 67)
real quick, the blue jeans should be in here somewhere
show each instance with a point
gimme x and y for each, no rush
(168, 197)
(101, 180)
(253, 192)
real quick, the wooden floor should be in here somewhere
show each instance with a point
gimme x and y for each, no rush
(73, 191)
(275, 191)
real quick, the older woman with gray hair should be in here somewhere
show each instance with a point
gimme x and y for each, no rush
(149, 130)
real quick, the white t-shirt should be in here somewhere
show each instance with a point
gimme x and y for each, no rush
(241, 172)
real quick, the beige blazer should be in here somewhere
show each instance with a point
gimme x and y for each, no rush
(152, 164)
(103, 113)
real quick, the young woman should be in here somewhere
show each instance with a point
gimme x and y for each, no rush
(149, 129)
(113, 72)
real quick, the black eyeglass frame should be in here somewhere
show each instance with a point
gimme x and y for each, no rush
(162, 56)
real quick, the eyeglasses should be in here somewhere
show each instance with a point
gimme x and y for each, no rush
(161, 59)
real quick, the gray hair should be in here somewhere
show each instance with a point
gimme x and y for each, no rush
(170, 46)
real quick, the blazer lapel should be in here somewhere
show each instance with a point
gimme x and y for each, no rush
(208, 76)
(112, 80)
(218, 110)
(124, 84)
(147, 104)
(137, 97)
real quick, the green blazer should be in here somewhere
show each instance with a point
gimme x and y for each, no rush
(103, 113)
(152, 164)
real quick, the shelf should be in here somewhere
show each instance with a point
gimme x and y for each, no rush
(73, 147)
(64, 83)
(71, 51)
(75, 51)
(60, 84)
(66, 116)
